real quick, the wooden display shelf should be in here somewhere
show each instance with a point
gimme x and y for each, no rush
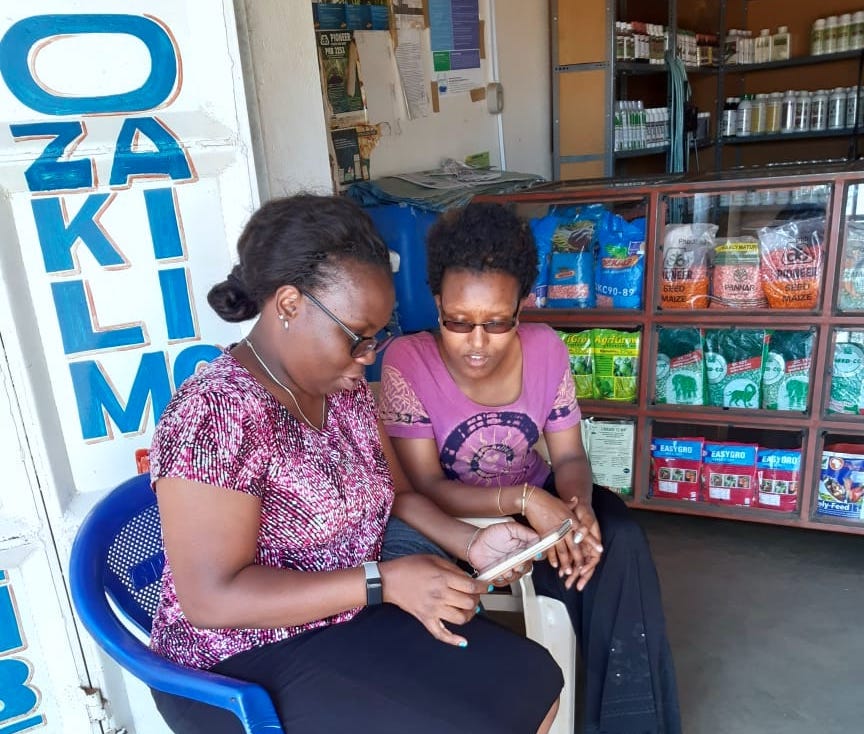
(642, 152)
(810, 429)
(791, 63)
(786, 137)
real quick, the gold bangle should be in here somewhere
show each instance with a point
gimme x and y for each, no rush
(498, 502)
(524, 493)
(530, 494)
(470, 543)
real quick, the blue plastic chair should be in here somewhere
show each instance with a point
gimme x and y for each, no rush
(118, 554)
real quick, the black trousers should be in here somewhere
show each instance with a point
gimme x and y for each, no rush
(628, 676)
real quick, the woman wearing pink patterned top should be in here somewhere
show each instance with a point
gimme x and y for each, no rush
(466, 409)
(275, 482)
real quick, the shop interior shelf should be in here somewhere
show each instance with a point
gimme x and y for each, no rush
(780, 137)
(640, 152)
(789, 63)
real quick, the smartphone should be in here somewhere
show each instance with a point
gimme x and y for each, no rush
(526, 554)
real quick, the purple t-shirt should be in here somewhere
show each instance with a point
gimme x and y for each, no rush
(477, 444)
(325, 495)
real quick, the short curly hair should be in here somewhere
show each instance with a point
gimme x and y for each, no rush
(481, 237)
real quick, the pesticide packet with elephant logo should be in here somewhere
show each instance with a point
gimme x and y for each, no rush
(729, 474)
(847, 374)
(581, 361)
(734, 360)
(841, 482)
(676, 465)
(779, 475)
(616, 364)
(680, 378)
(786, 375)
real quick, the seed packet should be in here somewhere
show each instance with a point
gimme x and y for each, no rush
(680, 378)
(791, 263)
(779, 476)
(676, 464)
(729, 474)
(786, 376)
(850, 295)
(847, 374)
(616, 364)
(686, 250)
(735, 281)
(734, 360)
(581, 361)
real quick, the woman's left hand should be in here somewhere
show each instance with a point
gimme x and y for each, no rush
(590, 546)
(496, 542)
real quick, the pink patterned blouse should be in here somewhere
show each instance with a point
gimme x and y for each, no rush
(325, 496)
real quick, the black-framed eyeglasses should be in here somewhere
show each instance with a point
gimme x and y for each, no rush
(490, 327)
(361, 346)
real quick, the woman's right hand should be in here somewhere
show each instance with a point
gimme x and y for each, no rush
(433, 590)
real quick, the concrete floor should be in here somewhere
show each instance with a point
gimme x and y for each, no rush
(766, 624)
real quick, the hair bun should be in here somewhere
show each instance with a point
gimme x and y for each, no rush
(231, 300)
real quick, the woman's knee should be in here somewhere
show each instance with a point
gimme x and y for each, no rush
(400, 539)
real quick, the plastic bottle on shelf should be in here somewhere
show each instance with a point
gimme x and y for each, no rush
(852, 106)
(844, 31)
(787, 117)
(837, 109)
(856, 37)
(819, 110)
(817, 37)
(729, 124)
(757, 121)
(763, 46)
(780, 44)
(802, 112)
(829, 43)
(774, 112)
(744, 117)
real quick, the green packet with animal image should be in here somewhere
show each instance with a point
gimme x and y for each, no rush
(680, 377)
(786, 375)
(581, 361)
(616, 364)
(734, 361)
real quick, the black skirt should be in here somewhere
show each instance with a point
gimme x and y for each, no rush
(383, 673)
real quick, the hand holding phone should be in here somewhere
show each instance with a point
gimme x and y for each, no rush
(526, 554)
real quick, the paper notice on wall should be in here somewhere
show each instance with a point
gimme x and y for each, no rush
(385, 102)
(410, 53)
(454, 31)
(610, 450)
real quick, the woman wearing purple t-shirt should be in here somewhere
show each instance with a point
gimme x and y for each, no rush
(275, 482)
(466, 408)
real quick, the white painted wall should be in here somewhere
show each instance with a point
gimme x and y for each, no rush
(283, 93)
(522, 30)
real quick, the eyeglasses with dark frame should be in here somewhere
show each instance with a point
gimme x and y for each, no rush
(361, 346)
(490, 327)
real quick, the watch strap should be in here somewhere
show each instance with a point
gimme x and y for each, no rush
(374, 588)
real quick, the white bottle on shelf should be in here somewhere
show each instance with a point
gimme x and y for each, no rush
(744, 117)
(802, 112)
(787, 118)
(819, 110)
(856, 37)
(764, 46)
(844, 30)
(837, 109)
(817, 37)
(829, 44)
(757, 121)
(730, 117)
(780, 44)
(774, 112)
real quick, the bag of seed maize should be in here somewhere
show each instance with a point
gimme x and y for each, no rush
(686, 250)
(791, 263)
(734, 360)
(735, 281)
(786, 376)
(616, 364)
(680, 378)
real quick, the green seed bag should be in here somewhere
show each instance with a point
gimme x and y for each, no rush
(581, 361)
(616, 364)
(680, 378)
(786, 376)
(734, 360)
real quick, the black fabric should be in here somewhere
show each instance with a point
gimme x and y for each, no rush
(628, 674)
(383, 673)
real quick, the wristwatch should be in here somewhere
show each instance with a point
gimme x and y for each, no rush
(374, 589)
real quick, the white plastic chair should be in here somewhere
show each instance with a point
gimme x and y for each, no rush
(547, 623)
